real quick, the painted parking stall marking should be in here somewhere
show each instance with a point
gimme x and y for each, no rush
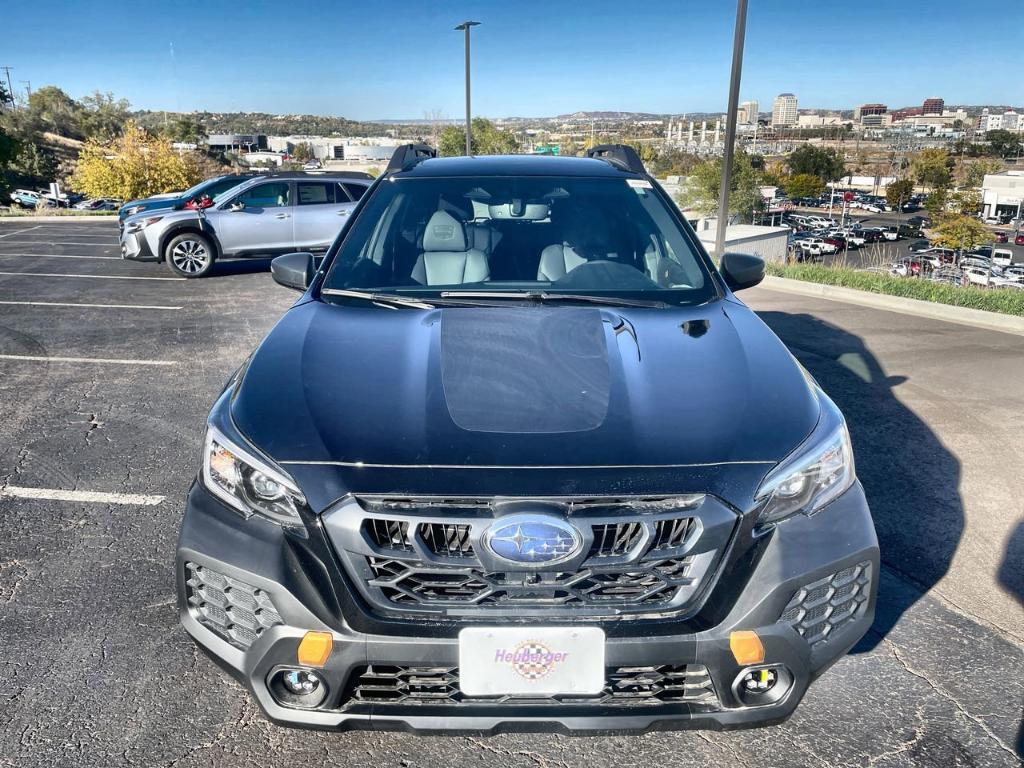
(85, 306)
(95, 497)
(98, 360)
(92, 277)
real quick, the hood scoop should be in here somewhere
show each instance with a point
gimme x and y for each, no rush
(525, 369)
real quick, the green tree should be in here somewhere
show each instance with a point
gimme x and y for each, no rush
(303, 151)
(1002, 143)
(131, 166)
(8, 151)
(966, 202)
(101, 116)
(5, 97)
(705, 183)
(183, 128)
(803, 185)
(487, 139)
(974, 173)
(932, 168)
(898, 192)
(826, 164)
(50, 109)
(34, 164)
(936, 202)
(964, 233)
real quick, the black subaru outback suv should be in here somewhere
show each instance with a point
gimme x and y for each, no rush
(519, 459)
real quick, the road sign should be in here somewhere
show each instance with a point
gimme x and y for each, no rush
(848, 196)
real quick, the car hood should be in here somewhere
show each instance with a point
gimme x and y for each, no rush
(389, 399)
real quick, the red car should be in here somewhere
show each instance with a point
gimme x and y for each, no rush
(1000, 237)
(1018, 240)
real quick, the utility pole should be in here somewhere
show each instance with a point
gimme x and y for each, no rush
(730, 124)
(28, 87)
(465, 27)
(10, 88)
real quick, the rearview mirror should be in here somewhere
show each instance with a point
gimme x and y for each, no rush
(294, 270)
(741, 270)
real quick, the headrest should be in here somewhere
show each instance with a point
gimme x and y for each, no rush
(444, 233)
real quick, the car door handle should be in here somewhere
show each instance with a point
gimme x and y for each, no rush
(343, 213)
(282, 215)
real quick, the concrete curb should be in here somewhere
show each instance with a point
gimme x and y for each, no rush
(69, 217)
(977, 318)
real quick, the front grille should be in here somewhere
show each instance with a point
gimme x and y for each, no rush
(624, 686)
(236, 611)
(818, 609)
(639, 557)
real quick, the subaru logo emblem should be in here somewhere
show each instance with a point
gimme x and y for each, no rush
(533, 540)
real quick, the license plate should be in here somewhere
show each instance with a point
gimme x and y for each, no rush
(531, 661)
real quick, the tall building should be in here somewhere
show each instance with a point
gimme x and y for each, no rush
(933, 106)
(784, 110)
(749, 111)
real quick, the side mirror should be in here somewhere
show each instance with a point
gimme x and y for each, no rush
(238, 205)
(741, 270)
(293, 270)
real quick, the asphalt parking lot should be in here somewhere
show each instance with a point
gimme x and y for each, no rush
(108, 368)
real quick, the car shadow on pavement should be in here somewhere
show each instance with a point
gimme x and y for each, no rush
(911, 480)
(239, 267)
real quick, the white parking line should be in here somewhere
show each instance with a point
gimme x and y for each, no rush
(100, 360)
(20, 231)
(57, 494)
(52, 242)
(90, 306)
(96, 277)
(60, 256)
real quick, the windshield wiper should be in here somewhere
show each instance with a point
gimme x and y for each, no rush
(389, 299)
(545, 296)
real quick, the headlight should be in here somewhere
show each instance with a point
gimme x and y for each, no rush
(133, 210)
(814, 474)
(247, 483)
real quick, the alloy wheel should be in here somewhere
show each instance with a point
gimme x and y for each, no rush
(190, 256)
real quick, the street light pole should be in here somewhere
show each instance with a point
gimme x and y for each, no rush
(466, 26)
(730, 124)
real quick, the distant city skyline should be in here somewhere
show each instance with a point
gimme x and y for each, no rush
(391, 60)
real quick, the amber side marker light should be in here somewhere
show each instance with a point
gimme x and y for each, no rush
(315, 649)
(746, 648)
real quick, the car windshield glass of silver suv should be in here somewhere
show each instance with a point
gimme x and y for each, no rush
(436, 237)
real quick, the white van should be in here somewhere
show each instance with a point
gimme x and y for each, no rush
(1002, 257)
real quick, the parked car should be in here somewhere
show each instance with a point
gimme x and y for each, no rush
(377, 479)
(819, 245)
(25, 198)
(920, 222)
(1002, 257)
(263, 216)
(919, 245)
(909, 267)
(979, 276)
(209, 188)
(1019, 240)
(98, 204)
(1000, 237)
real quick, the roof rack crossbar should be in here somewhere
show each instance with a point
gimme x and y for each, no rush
(408, 155)
(622, 156)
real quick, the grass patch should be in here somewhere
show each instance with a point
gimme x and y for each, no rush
(1006, 301)
(28, 213)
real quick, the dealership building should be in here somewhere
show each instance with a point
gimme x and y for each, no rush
(1002, 194)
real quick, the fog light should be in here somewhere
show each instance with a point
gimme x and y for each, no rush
(762, 685)
(300, 681)
(300, 688)
(759, 680)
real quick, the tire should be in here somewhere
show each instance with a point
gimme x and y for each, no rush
(190, 254)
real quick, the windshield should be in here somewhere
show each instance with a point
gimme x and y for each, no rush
(507, 236)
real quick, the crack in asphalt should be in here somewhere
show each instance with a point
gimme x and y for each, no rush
(951, 699)
(539, 760)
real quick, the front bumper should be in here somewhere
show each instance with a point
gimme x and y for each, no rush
(802, 555)
(135, 246)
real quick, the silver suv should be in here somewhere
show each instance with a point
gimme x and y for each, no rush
(264, 216)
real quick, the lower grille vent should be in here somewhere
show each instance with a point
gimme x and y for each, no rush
(236, 611)
(818, 609)
(625, 686)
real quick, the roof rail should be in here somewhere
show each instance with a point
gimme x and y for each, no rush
(622, 156)
(407, 155)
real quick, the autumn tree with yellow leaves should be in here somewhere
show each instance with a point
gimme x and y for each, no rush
(132, 166)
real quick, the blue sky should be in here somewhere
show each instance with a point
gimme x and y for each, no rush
(389, 59)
